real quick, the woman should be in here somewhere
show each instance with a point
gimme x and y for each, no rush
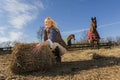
(52, 38)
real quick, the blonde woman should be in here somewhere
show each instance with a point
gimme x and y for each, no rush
(52, 38)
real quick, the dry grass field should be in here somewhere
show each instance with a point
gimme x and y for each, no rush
(102, 64)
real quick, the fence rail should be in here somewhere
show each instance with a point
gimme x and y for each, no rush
(73, 46)
(5, 48)
(88, 46)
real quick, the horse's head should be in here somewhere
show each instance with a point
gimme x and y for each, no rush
(72, 36)
(93, 24)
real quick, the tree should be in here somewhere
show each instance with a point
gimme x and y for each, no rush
(6, 44)
(84, 37)
(40, 33)
(118, 40)
(14, 42)
(109, 39)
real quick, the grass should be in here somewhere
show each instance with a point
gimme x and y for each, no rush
(102, 64)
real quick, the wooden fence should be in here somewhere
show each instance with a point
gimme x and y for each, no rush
(5, 50)
(80, 46)
(88, 46)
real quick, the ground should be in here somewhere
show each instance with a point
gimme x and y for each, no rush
(102, 64)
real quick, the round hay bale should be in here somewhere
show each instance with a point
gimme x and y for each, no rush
(24, 60)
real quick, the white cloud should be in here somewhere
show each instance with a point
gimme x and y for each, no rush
(2, 30)
(107, 25)
(19, 21)
(3, 39)
(81, 30)
(17, 14)
(15, 35)
(74, 31)
(21, 13)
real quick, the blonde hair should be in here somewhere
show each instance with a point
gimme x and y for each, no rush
(54, 25)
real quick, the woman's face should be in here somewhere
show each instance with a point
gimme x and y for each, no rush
(48, 23)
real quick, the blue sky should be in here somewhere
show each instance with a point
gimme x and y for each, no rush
(20, 19)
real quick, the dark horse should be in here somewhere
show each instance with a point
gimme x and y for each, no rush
(93, 34)
(69, 38)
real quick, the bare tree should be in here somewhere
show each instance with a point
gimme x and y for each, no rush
(102, 40)
(7, 44)
(109, 39)
(14, 42)
(40, 33)
(84, 37)
(118, 40)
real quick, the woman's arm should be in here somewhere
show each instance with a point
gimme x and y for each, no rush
(53, 35)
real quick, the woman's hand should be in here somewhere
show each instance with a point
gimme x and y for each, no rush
(45, 43)
(37, 48)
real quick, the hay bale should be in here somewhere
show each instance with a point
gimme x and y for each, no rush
(24, 60)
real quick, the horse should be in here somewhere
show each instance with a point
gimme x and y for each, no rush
(93, 34)
(69, 38)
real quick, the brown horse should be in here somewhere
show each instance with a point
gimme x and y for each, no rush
(69, 38)
(93, 34)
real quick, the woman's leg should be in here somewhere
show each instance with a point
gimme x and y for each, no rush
(58, 51)
(62, 50)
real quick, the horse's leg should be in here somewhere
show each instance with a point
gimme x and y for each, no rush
(91, 44)
(94, 44)
(98, 44)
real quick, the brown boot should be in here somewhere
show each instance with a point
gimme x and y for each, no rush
(57, 54)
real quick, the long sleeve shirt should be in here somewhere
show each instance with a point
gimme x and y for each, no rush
(54, 35)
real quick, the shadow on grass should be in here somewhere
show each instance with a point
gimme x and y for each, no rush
(69, 68)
